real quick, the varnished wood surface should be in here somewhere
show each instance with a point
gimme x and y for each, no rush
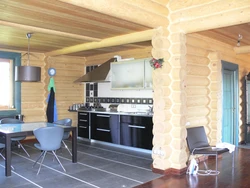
(60, 24)
(229, 177)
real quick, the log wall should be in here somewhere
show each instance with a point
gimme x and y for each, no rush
(209, 87)
(68, 69)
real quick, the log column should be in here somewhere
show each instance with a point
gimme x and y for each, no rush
(215, 95)
(169, 143)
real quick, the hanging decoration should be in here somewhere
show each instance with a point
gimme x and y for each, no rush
(156, 63)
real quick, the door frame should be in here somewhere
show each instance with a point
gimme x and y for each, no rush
(235, 68)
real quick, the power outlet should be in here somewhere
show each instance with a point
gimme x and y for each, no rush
(133, 106)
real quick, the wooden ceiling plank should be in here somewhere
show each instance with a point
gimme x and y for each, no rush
(123, 11)
(68, 14)
(108, 42)
(48, 31)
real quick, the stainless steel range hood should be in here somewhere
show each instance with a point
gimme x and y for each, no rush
(99, 74)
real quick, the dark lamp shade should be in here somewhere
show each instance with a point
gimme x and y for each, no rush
(27, 74)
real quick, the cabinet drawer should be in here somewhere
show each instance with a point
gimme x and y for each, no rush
(104, 127)
(83, 131)
(83, 116)
(136, 131)
(136, 120)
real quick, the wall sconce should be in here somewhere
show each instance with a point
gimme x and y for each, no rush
(239, 39)
(28, 73)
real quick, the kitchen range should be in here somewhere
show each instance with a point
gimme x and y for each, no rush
(132, 129)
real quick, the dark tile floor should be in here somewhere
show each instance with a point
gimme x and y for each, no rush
(98, 165)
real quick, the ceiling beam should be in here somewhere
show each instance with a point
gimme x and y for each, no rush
(108, 42)
(200, 18)
(242, 49)
(124, 11)
(48, 31)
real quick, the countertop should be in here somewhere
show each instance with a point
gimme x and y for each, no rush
(147, 114)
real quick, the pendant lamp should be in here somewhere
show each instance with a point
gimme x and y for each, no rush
(28, 73)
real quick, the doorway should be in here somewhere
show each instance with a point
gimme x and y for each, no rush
(230, 105)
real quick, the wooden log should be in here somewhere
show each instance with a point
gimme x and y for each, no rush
(197, 111)
(197, 91)
(174, 6)
(124, 11)
(193, 101)
(108, 42)
(197, 70)
(197, 81)
(192, 59)
(221, 19)
(148, 6)
(192, 50)
(242, 49)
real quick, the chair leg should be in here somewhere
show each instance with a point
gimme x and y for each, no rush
(205, 164)
(216, 164)
(58, 160)
(38, 158)
(45, 152)
(19, 144)
(66, 147)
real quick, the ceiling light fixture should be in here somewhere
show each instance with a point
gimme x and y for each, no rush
(239, 39)
(28, 73)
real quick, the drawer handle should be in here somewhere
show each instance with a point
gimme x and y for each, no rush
(102, 116)
(136, 126)
(84, 127)
(103, 130)
(84, 114)
(83, 120)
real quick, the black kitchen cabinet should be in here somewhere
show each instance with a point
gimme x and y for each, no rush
(136, 131)
(105, 127)
(83, 124)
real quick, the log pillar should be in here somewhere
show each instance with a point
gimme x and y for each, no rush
(169, 142)
(215, 95)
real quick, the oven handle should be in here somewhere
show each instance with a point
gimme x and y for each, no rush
(84, 127)
(83, 114)
(99, 115)
(103, 130)
(136, 126)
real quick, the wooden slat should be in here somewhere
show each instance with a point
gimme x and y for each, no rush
(122, 10)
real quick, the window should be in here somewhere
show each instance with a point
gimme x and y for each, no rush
(6, 82)
(10, 95)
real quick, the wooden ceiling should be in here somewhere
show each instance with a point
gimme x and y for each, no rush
(229, 35)
(58, 25)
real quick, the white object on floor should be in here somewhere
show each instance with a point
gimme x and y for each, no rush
(230, 147)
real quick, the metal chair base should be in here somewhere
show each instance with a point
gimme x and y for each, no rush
(43, 154)
(66, 147)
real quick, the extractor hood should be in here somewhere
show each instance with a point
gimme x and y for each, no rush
(99, 74)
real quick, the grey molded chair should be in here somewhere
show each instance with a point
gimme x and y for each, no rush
(49, 139)
(15, 139)
(198, 145)
(66, 135)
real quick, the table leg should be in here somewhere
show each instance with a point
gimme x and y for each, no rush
(7, 155)
(74, 145)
